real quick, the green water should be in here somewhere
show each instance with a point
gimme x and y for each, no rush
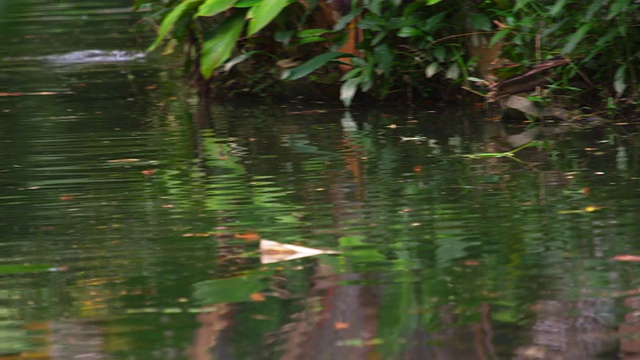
(127, 234)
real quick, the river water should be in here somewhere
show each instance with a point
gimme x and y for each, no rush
(127, 234)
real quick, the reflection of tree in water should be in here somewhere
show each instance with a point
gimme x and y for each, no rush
(77, 339)
(570, 330)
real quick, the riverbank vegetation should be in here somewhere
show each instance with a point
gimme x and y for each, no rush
(412, 50)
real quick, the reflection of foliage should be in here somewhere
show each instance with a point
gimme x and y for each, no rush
(230, 290)
(13, 339)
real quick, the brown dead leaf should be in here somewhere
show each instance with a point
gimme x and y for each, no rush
(625, 257)
(257, 297)
(248, 236)
(340, 325)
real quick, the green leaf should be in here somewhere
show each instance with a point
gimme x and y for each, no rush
(238, 59)
(480, 22)
(348, 91)
(520, 4)
(619, 83)
(217, 49)
(593, 8)
(374, 6)
(384, 57)
(246, 3)
(575, 38)
(617, 7)
(355, 72)
(409, 31)
(431, 70)
(263, 13)
(308, 40)
(283, 36)
(312, 65)
(499, 36)
(214, 7)
(557, 7)
(22, 269)
(433, 2)
(312, 32)
(440, 53)
(345, 20)
(453, 72)
(169, 21)
(433, 22)
(475, 79)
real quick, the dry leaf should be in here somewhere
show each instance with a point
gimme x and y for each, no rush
(257, 297)
(633, 258)
(248, 236)
(273, 251)
(340, 325)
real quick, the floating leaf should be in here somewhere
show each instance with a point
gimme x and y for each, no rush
(248, 236)
(3, 94)
(632, 258)
(273, 251)
(23, 269)
(122, 160)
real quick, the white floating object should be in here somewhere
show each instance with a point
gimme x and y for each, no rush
(273, 251)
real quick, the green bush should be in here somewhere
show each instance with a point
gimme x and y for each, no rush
(417, 45)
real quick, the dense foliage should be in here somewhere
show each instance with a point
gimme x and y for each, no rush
(414, 47)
